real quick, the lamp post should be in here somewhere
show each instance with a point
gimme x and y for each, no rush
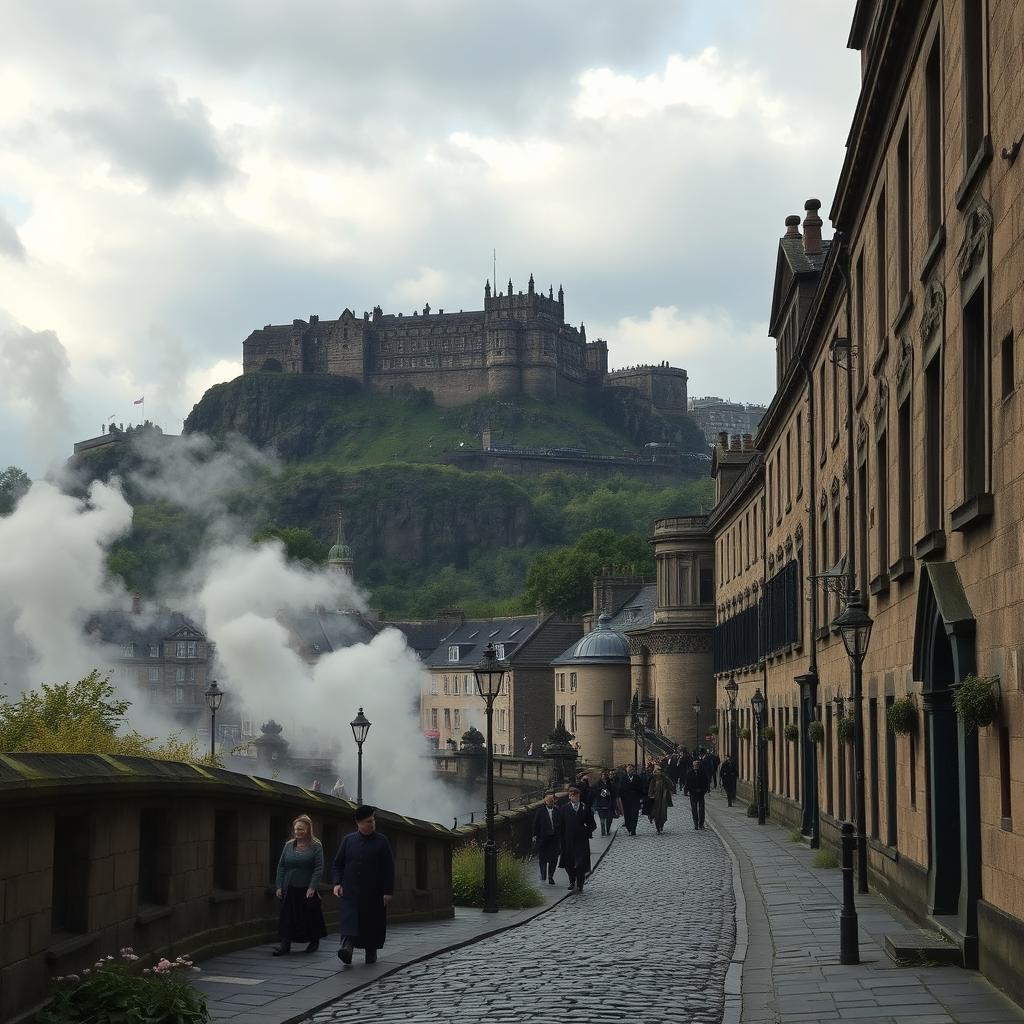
(360, 727)
(696, 715)
(641, 718)
(490, 675)
(214, 695)
(731, 689)
(757, 704)
(855, 627)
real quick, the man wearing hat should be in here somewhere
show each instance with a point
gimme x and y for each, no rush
(364, 881)
(577, 825)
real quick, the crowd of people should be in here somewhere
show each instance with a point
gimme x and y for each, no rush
(561, 834)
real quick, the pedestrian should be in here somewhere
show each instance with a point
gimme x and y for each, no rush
(696, 787)
(604, 802)
(586, 793)
(364, 881)
(631, 795)
(299, 870)
(727, 773)
(577, 826)
(546, 833)
(709, 762)
(715, 762)
(339, 790)
(659, 793)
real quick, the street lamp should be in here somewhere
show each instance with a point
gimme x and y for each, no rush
(854, 625)
(214, 695)
(696, 712)
(360, 727)
(490, 675)
(642, 716)
(731, 689)
(757, 704)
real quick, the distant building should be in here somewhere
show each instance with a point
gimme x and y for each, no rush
(716, 415)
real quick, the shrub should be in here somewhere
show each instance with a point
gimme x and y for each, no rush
(752, 810)
(796, 837)
(514, 889)
(713, 730)
(745, 733)
(976, 701)
(769, 733)
(815, 732)
(845, 729)
(902, 716)
(825, 859)
(792, 732)
(112, 991)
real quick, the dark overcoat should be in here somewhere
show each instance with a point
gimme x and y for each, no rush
(365, 869)
(548, 836)
(631, 791)
(577, 827)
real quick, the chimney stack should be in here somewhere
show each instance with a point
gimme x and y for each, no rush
(723, 440)
(792, 226)
(812, 227)
(735, 443)
(748, 442)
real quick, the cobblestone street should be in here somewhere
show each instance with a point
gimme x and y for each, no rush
(648, 941)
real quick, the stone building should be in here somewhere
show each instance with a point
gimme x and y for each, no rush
(717, 415)
(518, 344)
(911, 490)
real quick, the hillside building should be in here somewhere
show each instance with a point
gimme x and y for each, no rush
(715, 415)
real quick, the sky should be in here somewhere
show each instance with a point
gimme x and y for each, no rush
(174, 175)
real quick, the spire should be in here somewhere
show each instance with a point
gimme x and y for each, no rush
(551, 292)
(561, 294)
(510, 287)
(529, 287)
(583, 331)
(339, 558)
(487, 289)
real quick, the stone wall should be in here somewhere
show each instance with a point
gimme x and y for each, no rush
(99, 853)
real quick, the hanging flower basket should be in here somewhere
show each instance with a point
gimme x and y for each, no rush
(792, 732)
(712, 730)
(769, 733)
(745, 733)
(845, 729)
(816, 732)
(976, 701)
(902, 716)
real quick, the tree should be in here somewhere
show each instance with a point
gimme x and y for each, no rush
(299, 544)
(14, 482)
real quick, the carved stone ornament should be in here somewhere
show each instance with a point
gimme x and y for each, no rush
(755, 587)
(672, 642)
(771, 562)
(789, 545)
(779, 555)
(799, 534)
(835, 487)
(934, 310)
(862, 433)
(881, 399)
(846, 471)
(977, 233)
(823, 503)
(904, 363)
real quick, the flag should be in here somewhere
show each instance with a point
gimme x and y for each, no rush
(139, 401)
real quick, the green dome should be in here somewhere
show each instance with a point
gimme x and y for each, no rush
(340, 553)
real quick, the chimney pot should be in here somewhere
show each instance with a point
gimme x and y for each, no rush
(723, 439)
(793, 226)
(748, 442)
(812, 227)
(735, 443)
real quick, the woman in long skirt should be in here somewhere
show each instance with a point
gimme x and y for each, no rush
(298, 878)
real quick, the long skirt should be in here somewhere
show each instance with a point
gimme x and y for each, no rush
(301, 920)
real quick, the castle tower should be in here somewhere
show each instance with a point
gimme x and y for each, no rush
(339, 558)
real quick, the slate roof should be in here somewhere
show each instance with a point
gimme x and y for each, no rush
(422, 637)
(549, 642)
(798, 260)
(321, 631)
(475, 634)
(638, 611)
(601, 646)
(119, 626)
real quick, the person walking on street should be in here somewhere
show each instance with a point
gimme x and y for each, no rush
(577, 826)
(631, 795)
(586, 793)
(696, 787)
(727, 773)
(710, 763)
(546, 832)
(604, 802)
(364, 881)
(659, 795)
(299, 869)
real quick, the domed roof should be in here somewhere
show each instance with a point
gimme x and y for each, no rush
(603, 646)
(339, 553)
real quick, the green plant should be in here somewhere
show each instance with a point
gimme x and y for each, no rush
(845, 729)
(769, 733)
(514, 888)
(115, 991)
(902, 715)
(713, 730)
(751, 810)
(825, 859)
(795, 837)
(815, 732)
(745, 733)
(976, 701)
(792, 732)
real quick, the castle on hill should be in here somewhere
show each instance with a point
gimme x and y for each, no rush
(518, 344)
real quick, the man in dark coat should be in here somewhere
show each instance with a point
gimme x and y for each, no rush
(546, 833)
(710, 762)
(696, 786)
(631, 795)
(364, 880)
(727, 773)
(577, 826)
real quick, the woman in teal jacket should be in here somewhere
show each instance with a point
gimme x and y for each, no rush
(298, 879)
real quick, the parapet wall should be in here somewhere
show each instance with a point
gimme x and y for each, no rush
(104, 852)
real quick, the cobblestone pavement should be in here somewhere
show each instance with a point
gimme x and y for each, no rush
(648, 941)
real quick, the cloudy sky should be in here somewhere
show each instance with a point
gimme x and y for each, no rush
(173, 175)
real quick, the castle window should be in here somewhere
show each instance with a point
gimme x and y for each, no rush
(453, 652)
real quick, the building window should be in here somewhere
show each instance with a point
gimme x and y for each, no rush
(789, 470)
(127, 650)
(448, 719)
(975, 73)
(903, 208)
(1006, 357)
(862, 519)
(880, 269)
(453, 652)
(822, 593)
(1004, 776)
(455, 718)
(771, 494)
(977, 438)
(933, 443)
(466, 688)
(891, 802)
(455, 685)
(821, 393)
(433, 686)
(572, 718)
(882, 502)
(858, 299)
(904, 471)
(179, 695)
(778, 485)
(561, 682)
(873, 762)
(933, 135)
(179, 674)
(757, 532)
(190, 649)
(433, 718)
(447, 686)
(499, 652)
(799, 453)
(154, 650)
(835, 402)
(837, 544)
(154, 675)
(180, 648)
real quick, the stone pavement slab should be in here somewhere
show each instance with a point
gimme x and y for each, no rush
(791, 972)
